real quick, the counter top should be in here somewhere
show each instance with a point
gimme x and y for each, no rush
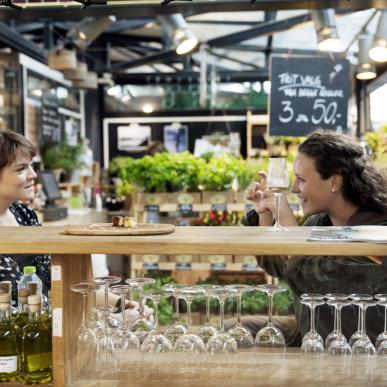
(185, 240)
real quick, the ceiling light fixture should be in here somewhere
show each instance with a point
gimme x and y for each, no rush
(378, 51)
(325, 25)
(182, 37)
(365, 69)
(8, 3)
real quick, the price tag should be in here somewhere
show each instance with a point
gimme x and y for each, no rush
(56, 273)
(183, 266)
(152, 208)
(219, 207)
(151, 266)
(152, 213)
(185, 209)
(218, 266)
(57, 322)
(249, 267)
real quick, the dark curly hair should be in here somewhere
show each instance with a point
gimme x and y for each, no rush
(337, 154)
(10, 144)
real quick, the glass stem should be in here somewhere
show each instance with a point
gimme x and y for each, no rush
(335, 319)
(208, 310)
(95, 311)
(84, 299)
(106, 294)
(385, 318)
(277, 209)
(141, 299)
(359, 319)
(177, 309)
(362, 321)
(270, 308)
(189, 302)
(221, 306)
(312, 324)
(239, 302)
(123, 307)
(338, 314)
(156, 323)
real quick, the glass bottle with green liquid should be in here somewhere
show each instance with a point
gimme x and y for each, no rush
(20, 318)
(36, 346)
(9, 342)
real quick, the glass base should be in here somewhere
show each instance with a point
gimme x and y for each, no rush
(277, 229)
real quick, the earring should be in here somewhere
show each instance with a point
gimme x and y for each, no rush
(333, 190)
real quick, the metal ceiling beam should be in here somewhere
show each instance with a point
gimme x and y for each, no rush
(11, 38)
(188, 77)
(227, 57)
(153, 8)
(124, 40)
(29, 27)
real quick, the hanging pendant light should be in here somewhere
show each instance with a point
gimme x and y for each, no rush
(62, 59)
(378, 51)
(365, 69)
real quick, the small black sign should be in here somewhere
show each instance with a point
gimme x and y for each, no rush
(151, 266)
(183, 266)
(250, 267)
(308, 93)
(185, 209)
(51, 131)
(218, 266)
(219, 207)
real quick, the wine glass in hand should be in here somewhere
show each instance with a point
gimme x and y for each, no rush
(277, 181)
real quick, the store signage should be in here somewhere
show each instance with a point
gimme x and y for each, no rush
(151, 266)
(219, 207)
(183, 266)
(250, 267)
(218, 266)
(51, 131)
(308, 93)
(185, 209)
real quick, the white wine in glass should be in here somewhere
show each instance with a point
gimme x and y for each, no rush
(277, 182)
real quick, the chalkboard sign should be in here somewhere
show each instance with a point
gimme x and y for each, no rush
(51, 131)
(308, 93)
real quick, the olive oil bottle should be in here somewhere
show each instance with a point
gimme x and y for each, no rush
(20, 318)
(9, 342)
(36, 352)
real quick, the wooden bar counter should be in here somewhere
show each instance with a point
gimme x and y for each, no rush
(71, 264)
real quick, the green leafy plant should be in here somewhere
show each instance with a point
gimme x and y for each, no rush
(377, 141)
(63, 156)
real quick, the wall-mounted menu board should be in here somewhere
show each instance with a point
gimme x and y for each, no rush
(51, 130)
(308, 93)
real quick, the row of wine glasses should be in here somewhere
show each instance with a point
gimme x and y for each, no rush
(336, 343)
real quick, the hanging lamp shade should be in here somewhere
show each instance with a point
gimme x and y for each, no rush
(90, 82)
(62, 59)
(378, 51)
(78, 73)
(366, 68)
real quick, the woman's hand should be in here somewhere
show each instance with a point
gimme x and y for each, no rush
(132, 312)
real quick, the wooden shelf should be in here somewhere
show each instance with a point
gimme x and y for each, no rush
(203, 207)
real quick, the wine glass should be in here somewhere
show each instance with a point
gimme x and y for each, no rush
(122, 337)
(336, 333)
(206, 331)
(277, 181)
(382, 300)
(222, 342)
(141, 326)
(177, 329)
(312, 342)
(358, 333)
(242, 336)
(189, 342)
(363, 345)
(338, 344)
(156, 342)
(85, 340)
(270, 336)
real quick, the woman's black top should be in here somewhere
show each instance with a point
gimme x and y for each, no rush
(11, 266)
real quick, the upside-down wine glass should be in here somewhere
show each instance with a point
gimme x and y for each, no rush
(277, 182)
(177, 329)
(363, 345)
(382, 301)
(85, 341)
(206, 331)
(222, 342)
(358, 296)
(155, 341)
(141, 326)
(123, 338)
(312, 343)
(189, 342)
(242, 336)
(270, 336)
(338, 344)
(336, 333)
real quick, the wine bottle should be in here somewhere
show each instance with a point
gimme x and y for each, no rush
(9, 342)
(36, 350)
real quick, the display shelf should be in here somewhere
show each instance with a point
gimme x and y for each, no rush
(203, 207)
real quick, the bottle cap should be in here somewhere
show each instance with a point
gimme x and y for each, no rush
(29, 269)
(5, 287)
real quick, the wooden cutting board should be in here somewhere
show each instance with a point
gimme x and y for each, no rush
(108, 229)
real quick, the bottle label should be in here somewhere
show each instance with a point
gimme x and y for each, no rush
(8, 364)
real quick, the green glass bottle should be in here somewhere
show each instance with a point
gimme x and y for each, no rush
(9, 342)
(36, 346)
(20, 318)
